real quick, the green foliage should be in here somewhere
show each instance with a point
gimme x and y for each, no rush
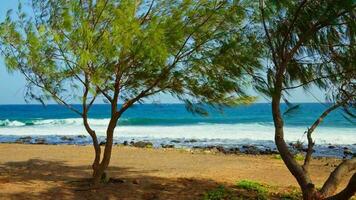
(294, 195)
(220, 193)
(277, 156)
(321, 56)
(198, 51)
(299, 157)
(261, 190)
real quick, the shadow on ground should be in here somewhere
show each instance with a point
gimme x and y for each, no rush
(41, 179)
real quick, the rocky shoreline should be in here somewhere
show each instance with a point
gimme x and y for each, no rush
(192, 145)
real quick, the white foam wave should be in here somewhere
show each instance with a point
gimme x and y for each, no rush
(253, 131)
(71, 121)
(10, 123)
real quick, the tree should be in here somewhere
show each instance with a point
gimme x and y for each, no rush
(309, 43)
(127, 51)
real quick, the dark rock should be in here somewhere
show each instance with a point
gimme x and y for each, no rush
(331, 147)
(125, 143)
(81, 136)
(233, 151)
(136, 181)
(24, 140)
(348, 152)
(191, 141)
(142, 144)
(66, 138)
(40, 141)
(175, 141)
(269, 152)
(102, 143)
(251, 150)
(167, 145)
(346, 148)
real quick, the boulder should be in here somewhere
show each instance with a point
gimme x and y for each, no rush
(24, 140)
(142, 144)
(66, 138)
(169, 146)
(40, 141)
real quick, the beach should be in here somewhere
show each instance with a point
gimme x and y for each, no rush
(60, 171)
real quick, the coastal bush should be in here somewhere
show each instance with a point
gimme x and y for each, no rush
(309, 44)
(123, 52)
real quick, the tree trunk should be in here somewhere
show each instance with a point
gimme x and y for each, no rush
(301, 176)
(335, 178)
(348, 192)
(97, 149)
(100, 172)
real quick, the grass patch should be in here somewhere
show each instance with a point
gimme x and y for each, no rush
(293, 195)
(262, 191)
(220, 193)
(299, 157)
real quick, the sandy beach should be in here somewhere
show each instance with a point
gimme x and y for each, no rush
(60, 171)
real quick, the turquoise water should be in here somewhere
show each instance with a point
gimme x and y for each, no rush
(162, 123)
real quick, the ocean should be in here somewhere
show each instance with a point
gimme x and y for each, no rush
(164, 123)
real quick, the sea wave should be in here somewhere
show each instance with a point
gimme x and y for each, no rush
(125, 121)
(253, 131)
(11, 123)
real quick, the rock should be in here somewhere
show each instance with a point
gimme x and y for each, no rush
(251, 150)
(331, 147)
(142, 144)
(102, 143)
(346, 148)
(191, 141)
(175, 141)
(125, 143)
(66, 138)
(40, 141)
(348, 152)
(81, 136)
(167, 145)
(233, 151)
(269, 151)
(24, 140)
(135, 181)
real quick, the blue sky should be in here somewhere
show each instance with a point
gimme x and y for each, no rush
(12, 85)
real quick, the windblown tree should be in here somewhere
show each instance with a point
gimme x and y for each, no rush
(310, 44)
(126, 51)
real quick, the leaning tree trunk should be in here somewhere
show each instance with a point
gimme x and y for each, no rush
(96, 145)
(302, 177)
(100, 171)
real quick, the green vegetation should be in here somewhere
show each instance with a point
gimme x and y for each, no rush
(309, 44)
(294, 195)
(261, 190)
(220, 193)
(129, 51)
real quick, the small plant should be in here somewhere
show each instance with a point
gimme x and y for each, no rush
(293, 195)
(261, 190)
(277, 156)
(299, 157)
(220, 193)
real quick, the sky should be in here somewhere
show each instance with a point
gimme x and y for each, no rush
(12, 85)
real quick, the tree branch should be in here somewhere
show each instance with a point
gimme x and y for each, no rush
(336, 176)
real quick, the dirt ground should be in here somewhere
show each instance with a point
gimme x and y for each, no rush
(62, 172)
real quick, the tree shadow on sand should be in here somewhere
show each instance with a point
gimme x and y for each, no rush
(58, 180)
